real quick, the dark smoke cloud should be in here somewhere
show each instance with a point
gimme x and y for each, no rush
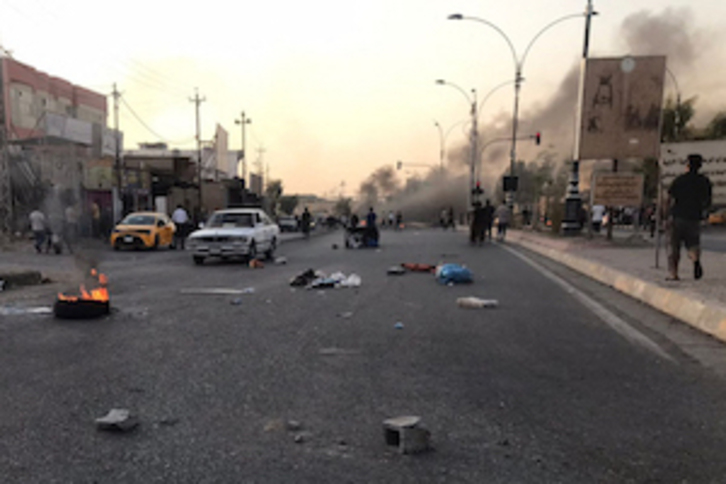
(670, 33)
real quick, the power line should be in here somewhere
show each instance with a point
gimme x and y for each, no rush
(142, 122)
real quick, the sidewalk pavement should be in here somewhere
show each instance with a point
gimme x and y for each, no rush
(629, 267)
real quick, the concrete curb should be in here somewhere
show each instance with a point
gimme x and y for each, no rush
(705, 315)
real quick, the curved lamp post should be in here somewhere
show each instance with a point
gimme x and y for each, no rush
(518, 68)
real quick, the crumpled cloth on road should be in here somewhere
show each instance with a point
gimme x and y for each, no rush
(453, 274)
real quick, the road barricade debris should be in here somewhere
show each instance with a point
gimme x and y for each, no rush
(472, 302)
(453, 274)
(407, 434)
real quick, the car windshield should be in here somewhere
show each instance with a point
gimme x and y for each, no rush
(139, 220)
(230, 220)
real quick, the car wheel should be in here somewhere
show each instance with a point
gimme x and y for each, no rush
(198, 260)
(117, 245)
(156, 243)
(252, 252)
(271, 251)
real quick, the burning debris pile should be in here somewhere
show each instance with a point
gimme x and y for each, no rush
(88, 304)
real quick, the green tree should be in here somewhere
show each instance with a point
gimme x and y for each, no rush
(716, 129)
(676, 119)
(288, 203)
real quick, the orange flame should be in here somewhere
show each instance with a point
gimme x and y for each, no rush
(99, 293)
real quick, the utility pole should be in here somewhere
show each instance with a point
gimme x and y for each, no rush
(118, 207)
(6, 196)
(243, 121)
(197, 101)
(474, 149)
(573, 203)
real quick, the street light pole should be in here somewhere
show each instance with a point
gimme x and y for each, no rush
(518, 68)
(573, 203)
(243, 121)
(441, 145)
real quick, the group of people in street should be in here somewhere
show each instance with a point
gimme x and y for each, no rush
(54, 231)
(483, 218)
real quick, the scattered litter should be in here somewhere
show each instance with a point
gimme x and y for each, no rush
(303, 279)
(15, 311)
(118, 420)
(476, 303)
(345, 315)
(396, 271)
(274, 425)
(236, 301)
(407, 434)
(281, 260)
(300, 438)
(337, 352)
(323, 283)
(256, 264)
(218, 291)
(294, 425)
(413, 267)
(398, 325)
(353, 280)
(453, 274)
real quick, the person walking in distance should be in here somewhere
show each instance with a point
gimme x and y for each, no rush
(305, 222)
(689, 198)
(478, 225)
(38, 226)
(180, 217)
(503, 216)
(488, 216)
(598, 212)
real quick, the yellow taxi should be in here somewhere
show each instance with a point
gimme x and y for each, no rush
(143, 230)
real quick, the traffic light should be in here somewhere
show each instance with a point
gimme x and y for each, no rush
(478, 189)
(537, 138)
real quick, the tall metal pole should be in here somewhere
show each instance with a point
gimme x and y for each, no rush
(118, 205)
(243, 121)
(197, 101)
(6, 195)
(474, 147)
(441, 145)
(573, 203)
(515, 127)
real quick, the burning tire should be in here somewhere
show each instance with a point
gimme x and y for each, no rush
(81, 309)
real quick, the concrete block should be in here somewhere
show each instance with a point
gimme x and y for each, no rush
(407, 434)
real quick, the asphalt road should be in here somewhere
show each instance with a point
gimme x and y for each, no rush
(540, 389)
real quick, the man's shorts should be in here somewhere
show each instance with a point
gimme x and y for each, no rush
(686, 232)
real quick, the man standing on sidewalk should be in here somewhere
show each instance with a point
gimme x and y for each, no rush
(503, 216)
(37, 225)
(689, 198)
(180, 217)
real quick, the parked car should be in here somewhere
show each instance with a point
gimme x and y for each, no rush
(236, 232)
(149, 230)
(288, 224)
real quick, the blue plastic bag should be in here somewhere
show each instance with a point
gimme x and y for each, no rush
(453, 274)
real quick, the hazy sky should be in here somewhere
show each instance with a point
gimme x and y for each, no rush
(334, 89)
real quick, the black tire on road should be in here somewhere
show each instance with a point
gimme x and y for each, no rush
(156, 243)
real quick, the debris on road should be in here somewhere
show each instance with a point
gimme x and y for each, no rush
(16, 311)
(413, 267)
(472, 302)
(117, 420)
(396, 271)
(218, 291)
(256, 264)
(321, 281)
(274, 425)
(398, 325)
(294, 425)
(407, 434)
(281, 260)
(346, 315)
(236, 301)
(453, 274)
(335, 246)
(353, 280)
(304, 278)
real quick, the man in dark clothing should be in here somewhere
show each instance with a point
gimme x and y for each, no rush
(689, 198)
(305, 222)
(476, 231)
(488, 216)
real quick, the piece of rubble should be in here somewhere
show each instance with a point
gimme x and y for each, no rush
(398, 325)
(294, 425)
(117, 420)
(396, 271)
(476, 303)
(407, 434)
(281, 260)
